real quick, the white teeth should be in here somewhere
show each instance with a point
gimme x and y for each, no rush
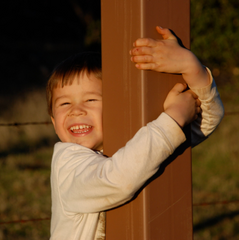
(86, 127)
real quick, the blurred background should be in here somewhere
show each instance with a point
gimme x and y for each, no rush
(35, 37)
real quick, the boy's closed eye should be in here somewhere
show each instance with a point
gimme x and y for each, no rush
(65, 103)
(92, 100)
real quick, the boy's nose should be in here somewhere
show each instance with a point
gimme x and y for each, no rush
(77, 111)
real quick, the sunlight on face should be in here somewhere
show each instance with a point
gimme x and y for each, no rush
(77, 112)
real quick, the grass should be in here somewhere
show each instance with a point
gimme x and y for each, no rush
(215, 178)
(25, 159)
(25, 194)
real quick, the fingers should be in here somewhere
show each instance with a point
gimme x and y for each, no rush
(145, 45)
(165, 33)
(179, 87)
(198, 107)
(146, 66)
(142, 54)
(198, 110)
(145, 42)
(198, 102)
(149, 42)
(144, 58)
(195, 96)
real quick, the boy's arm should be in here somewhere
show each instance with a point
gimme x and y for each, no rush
(87, 182)
(166, 55)
(211, 114)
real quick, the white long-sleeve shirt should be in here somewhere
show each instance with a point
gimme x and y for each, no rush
(84, 183)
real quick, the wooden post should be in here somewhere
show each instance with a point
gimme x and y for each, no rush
(163, 210)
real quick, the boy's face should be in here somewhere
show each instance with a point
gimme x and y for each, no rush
(77, 112)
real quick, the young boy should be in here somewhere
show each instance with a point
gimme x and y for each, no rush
(84, 182)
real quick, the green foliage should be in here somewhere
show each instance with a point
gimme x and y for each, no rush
(215, 31)
(214, 39)
(215, 179)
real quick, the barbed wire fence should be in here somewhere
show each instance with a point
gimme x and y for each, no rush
(22, 221)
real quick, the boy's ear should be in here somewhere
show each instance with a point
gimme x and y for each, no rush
(53, 121)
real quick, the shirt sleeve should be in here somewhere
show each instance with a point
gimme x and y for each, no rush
(212, 112)
(88, 182)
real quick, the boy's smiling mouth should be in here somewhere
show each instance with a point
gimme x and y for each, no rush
(81, 128)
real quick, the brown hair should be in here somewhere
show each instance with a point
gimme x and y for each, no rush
(63, 74)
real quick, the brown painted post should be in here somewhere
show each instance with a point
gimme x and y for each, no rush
(163, 210)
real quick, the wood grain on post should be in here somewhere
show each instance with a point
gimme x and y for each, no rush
(131, 98)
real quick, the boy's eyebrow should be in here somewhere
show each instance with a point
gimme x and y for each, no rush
(63, 96)
(96, 92)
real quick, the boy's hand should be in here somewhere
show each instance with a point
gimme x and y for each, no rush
(166, 55)
(183, 106)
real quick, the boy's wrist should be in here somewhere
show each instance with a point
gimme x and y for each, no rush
(195, 74)
(176, 117)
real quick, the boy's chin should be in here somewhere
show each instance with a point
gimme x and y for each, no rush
(92, 147)
(98, 148)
